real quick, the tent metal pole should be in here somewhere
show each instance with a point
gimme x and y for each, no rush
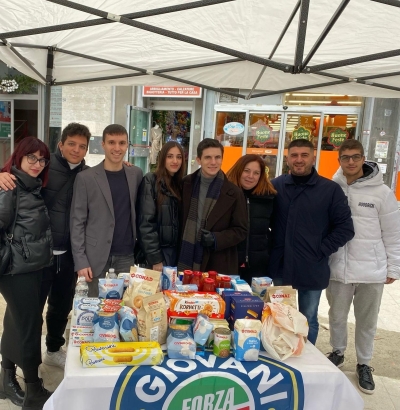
(176, 36)
(351, 61)
(102, 60)
(288, 23)
(370, 77)
(188, 67)
(96, 22)
(394, 3)
(49, 81)
(22, 58)
(306, 87)
(90, 80)
(325, 32)
(301, 35)
(23, 45)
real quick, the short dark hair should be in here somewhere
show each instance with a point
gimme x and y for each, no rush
(351, 144)
(209, 143)
(75, 128)
(114, 129)
(302, 142)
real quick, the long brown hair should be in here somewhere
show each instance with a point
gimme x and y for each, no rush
(172, 183)
(263, 186)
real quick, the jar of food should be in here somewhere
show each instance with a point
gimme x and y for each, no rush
(196, 279)
(225, 282)
(208, 285)
(187, 276)
(213, 275)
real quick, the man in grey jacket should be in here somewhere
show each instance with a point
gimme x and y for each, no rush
(103, 218)
(361, 268)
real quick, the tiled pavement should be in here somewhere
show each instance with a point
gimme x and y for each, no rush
(387, 394)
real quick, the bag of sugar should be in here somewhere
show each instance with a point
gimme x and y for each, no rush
(105, 327)
(246, 339)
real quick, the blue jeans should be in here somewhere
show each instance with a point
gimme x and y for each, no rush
(121, 263)
(308, 306)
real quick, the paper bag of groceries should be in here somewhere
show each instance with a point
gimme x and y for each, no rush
(284, 331)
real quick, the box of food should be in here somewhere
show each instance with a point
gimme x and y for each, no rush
(78, 339)
(118, 354)
(245, 307)
(259, 286)
(190, 304)
(226, 295)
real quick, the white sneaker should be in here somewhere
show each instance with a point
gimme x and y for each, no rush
(55, 358)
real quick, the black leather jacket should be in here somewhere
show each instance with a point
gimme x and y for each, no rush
(157, 228)
(59, 199)
(32, 234)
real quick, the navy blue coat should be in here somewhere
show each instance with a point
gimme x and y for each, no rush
(310, 222)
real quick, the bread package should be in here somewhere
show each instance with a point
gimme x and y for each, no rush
(152, 319)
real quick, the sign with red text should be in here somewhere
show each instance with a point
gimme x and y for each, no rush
(175, 91)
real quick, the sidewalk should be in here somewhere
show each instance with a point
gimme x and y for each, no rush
(386, 359)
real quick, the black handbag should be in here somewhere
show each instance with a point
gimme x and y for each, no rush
(6, 242)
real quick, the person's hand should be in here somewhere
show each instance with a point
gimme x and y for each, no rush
(7, 181)
(207, 239)
(86, 273)
(389, 281)
(158, 267)
(127, 163)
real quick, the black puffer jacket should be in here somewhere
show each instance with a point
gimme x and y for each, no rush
(60, 174)
(158, 229)
(254, 251)
(32, 235)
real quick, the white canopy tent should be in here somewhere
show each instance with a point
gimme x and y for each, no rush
(268, 47)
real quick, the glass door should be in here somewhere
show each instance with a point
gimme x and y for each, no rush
(6, 130)
(263, 138)
(299, 126)
(139, 129)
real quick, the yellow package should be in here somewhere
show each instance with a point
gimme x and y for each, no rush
(115, 354)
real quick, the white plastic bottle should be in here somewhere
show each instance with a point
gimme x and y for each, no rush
(111, 274)
(81, 288)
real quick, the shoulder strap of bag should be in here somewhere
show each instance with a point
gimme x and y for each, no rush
(10, 235)
(61, 192)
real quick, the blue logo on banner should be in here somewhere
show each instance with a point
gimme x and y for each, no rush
(210, 383)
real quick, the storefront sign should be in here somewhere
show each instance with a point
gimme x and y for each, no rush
(186, 91)
(262, 134)
(301, 133)
(5, 119)
(337, 136)
(233, 128)
(210, 383)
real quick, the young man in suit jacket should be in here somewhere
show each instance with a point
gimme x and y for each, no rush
(103, 218)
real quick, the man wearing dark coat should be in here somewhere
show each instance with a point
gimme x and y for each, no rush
(312, 220)
(214, 216)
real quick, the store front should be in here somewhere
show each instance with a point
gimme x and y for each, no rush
(167, 115)
(268, 130)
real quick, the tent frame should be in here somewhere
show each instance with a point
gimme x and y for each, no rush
(301, 64)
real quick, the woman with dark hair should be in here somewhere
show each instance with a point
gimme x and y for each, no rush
(159, 200)
(24, 219)
(249, 174)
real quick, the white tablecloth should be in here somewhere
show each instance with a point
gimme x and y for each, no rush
(325, 387)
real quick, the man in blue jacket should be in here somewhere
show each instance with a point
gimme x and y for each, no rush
(312, 220)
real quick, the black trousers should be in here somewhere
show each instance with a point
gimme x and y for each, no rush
(58, 286)
(20, 342)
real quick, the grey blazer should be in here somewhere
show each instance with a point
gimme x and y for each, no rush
(92, 216)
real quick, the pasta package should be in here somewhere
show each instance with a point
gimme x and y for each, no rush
(190, 304)
(121, 354)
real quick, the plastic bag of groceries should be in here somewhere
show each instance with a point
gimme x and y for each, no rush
(284, 331)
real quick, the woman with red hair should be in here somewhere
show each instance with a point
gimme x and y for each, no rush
(24, 222)
(249, 174)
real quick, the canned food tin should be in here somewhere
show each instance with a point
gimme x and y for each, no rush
(222, 342)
